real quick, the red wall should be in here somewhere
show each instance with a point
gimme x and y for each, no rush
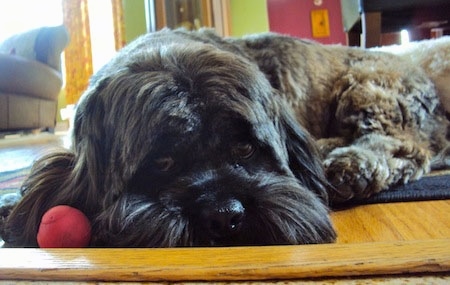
(293, 17)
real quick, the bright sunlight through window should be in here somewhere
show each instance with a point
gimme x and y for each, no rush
(404, 35)
(18, 16)
(102, 32)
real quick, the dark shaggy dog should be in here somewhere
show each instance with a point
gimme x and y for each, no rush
(188, 139)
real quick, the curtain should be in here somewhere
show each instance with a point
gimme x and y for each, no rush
(78, 56)
(119, 24)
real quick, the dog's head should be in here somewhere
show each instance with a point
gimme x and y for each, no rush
(184, 144)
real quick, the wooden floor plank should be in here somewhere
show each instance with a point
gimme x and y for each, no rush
(225, 264)
(393, 222)
(374, 240)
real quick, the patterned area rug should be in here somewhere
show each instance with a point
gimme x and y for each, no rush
(17, 154)
(10, 181)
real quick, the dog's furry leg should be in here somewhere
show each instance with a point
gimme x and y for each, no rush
(372, 164)
(391, 128)
(441, 160)
(326, 145)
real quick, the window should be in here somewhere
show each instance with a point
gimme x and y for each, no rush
(102, 32)
(21, 15)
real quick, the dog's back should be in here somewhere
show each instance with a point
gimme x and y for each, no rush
(355, 102)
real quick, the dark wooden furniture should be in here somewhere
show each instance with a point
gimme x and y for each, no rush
(366, 20)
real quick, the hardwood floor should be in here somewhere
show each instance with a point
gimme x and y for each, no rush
(426, 220)
(397, 243)
(402, 243)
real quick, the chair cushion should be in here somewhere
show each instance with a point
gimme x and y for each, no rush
(18, 75)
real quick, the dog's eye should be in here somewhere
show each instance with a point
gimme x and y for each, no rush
(164, 163)
(244, 150)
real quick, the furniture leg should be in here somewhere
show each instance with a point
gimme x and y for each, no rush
(371, 29)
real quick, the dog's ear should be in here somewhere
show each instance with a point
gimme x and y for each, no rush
(96, 122)
(74, 178)
(41, 191)
(59, 178)
(304, 158)
(89, 138)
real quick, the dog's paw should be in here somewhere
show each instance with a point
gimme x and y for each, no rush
(408, 162)
(374, 163)
(355, 173)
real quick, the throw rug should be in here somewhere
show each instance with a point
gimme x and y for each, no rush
(11, 181)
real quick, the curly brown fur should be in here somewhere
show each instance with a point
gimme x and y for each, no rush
(376, 117)
(188, 139)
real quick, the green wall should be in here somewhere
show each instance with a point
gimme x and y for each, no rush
(134, 17)
(248, 16)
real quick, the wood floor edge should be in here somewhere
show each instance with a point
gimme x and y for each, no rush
(227, 264)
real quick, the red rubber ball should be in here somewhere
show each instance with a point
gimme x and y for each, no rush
(64, 226)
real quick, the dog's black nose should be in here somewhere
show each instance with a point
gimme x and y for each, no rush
(226, 219)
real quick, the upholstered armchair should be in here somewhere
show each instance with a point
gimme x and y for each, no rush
(31, 79)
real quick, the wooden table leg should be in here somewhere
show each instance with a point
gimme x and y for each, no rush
(371, 29)
(353, 39)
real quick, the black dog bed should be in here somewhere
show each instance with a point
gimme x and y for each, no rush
(433, 187)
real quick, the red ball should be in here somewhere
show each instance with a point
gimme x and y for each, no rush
(64, 226)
